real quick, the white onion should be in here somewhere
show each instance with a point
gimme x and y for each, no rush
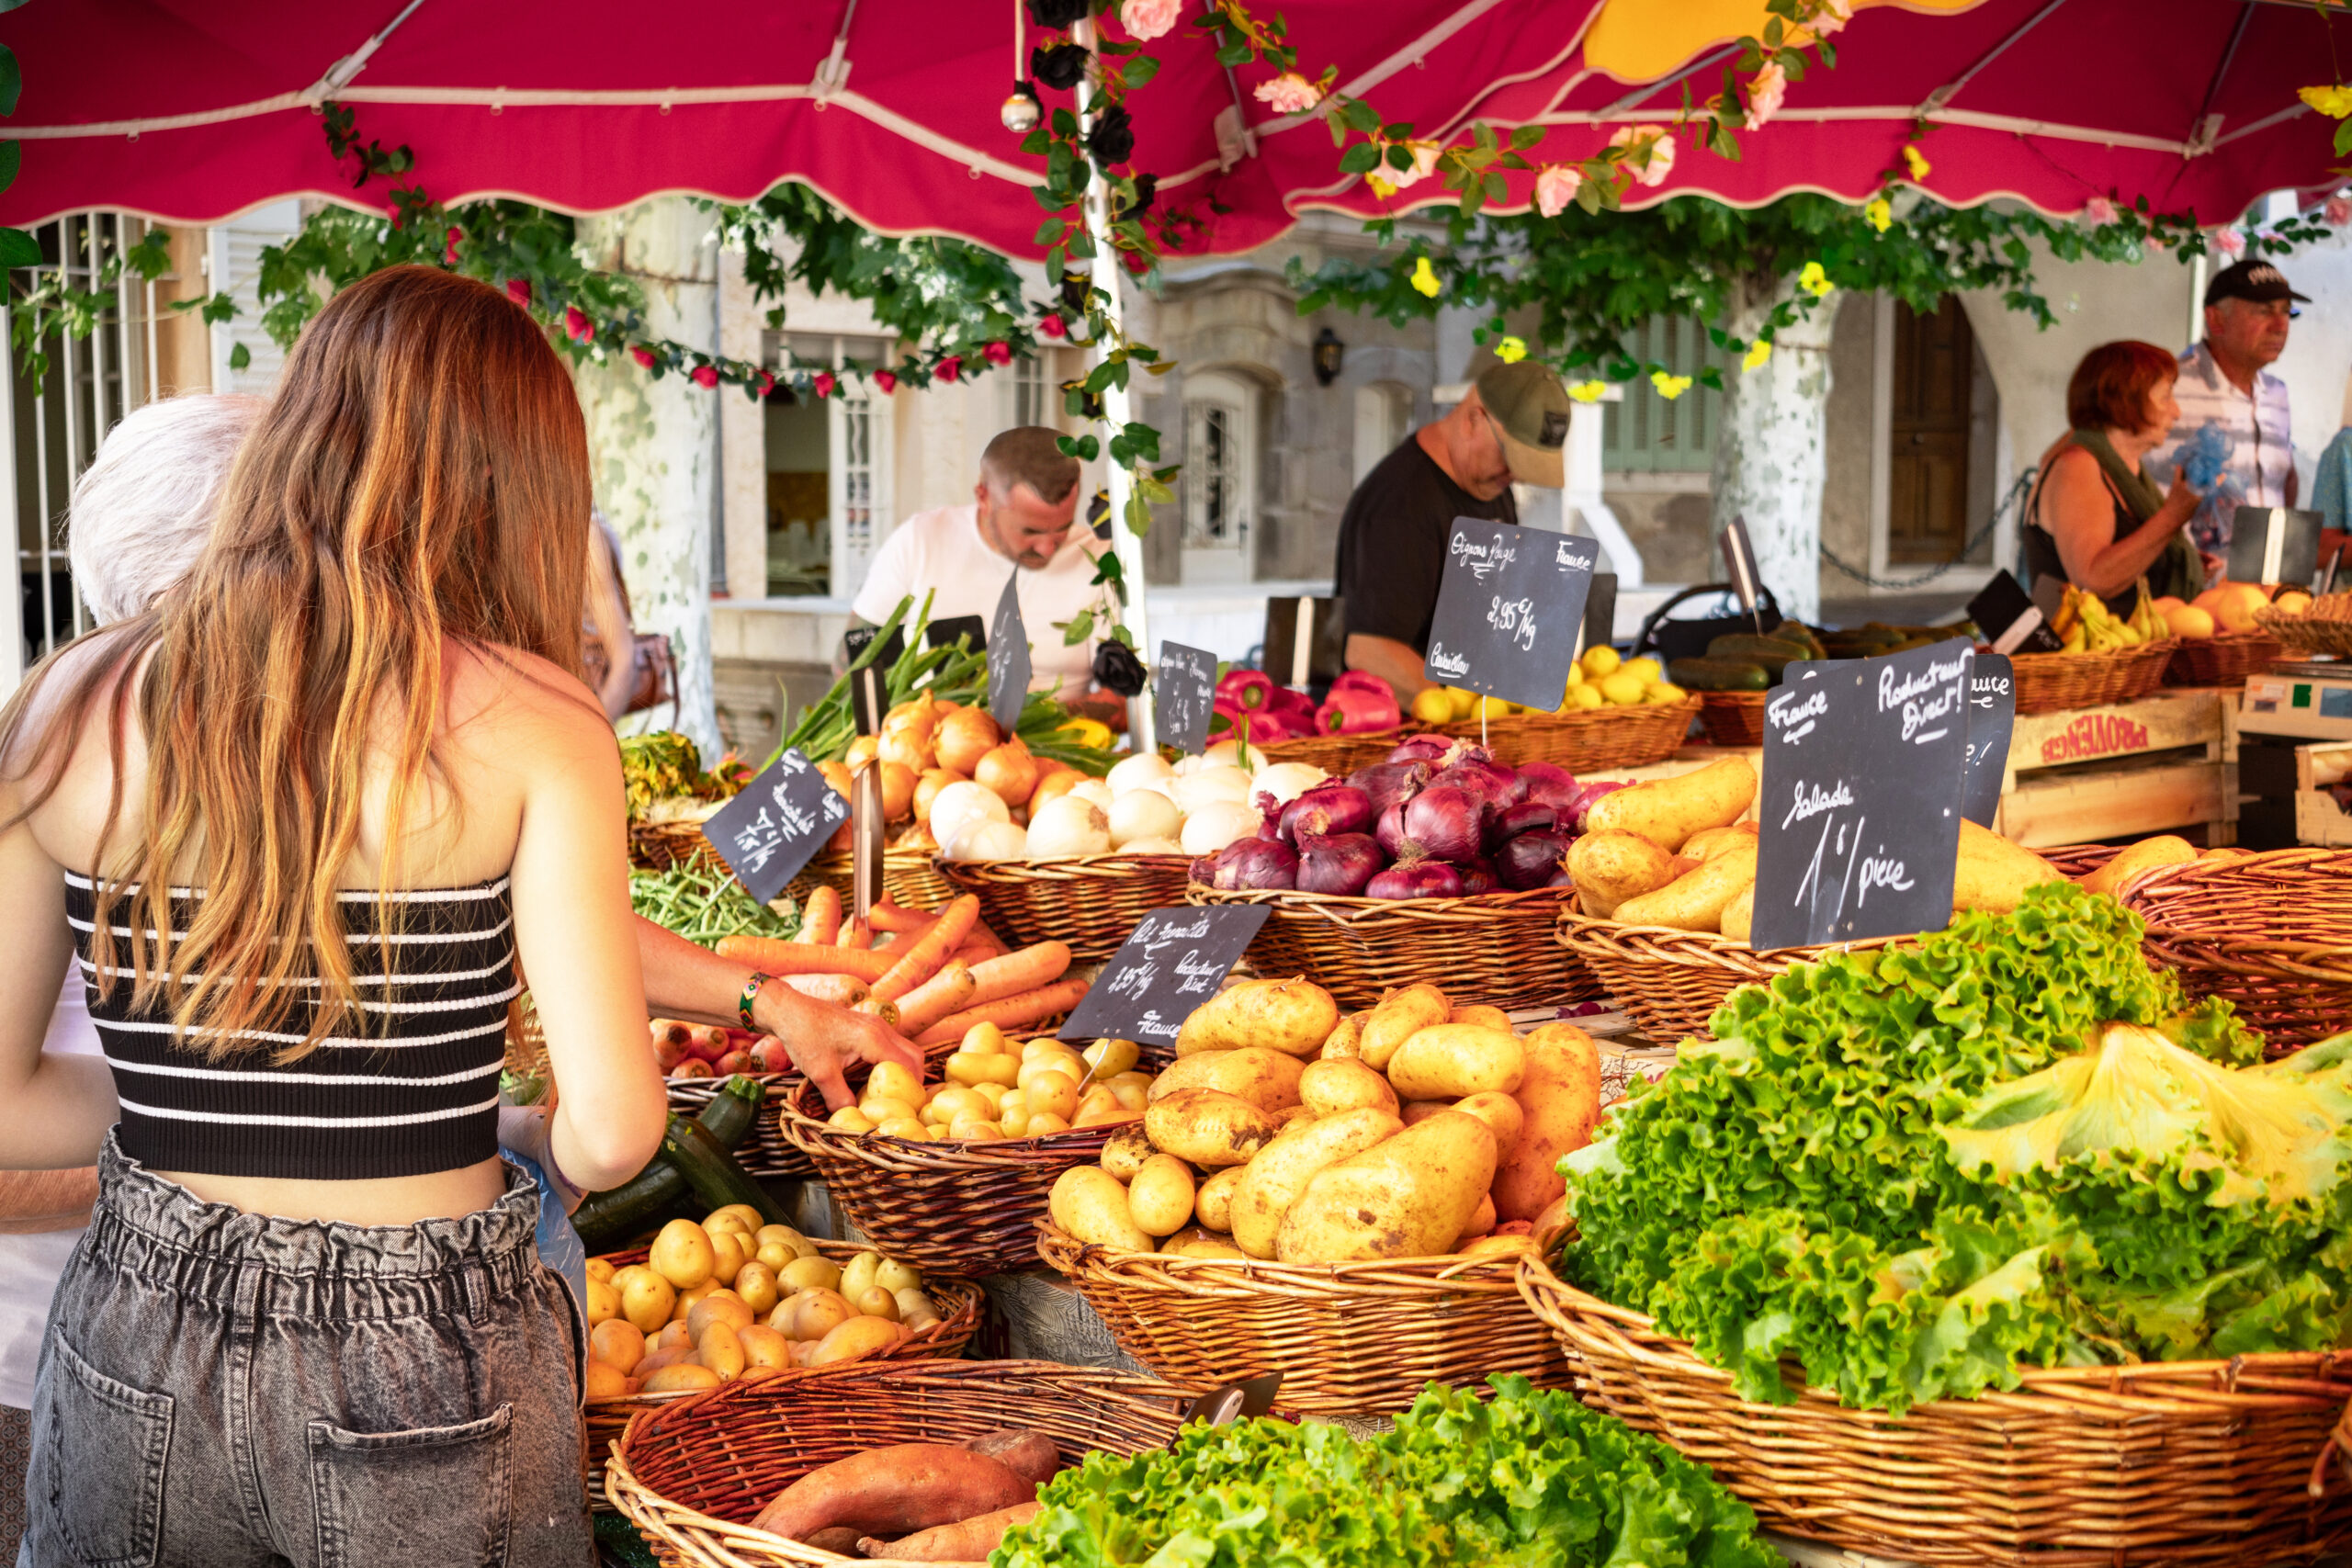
(1218, 824)
(1208, 786)
(1224, 754)
(1151, 847)
(1143, 768)
(1094, 790)
(1143, 813)
(985, 840)
(1287, 780)
(958, 803)
(1065, 827)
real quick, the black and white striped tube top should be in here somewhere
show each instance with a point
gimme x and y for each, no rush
(418, 1094)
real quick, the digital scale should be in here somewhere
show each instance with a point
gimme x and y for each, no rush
(2308, 698)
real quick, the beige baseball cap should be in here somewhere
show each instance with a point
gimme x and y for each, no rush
(1530, 412)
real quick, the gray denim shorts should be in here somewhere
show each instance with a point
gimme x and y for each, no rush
(218, 1390)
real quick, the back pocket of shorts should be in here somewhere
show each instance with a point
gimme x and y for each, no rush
(98, 1464)
(436, 1494)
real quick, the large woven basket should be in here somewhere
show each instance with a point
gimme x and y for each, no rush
(1733, 718)
(909, 877)
(1584, 740)
(2049, 682)
(657, 846)
(964, 1208)
(693, 1476)
(1349, 1338)
(2168, 1463)
(1336, 754)
(1093, 903)
(960, 1302)
(2309, 633)
(1495, 948)
(2225, 658)
(2272, 932)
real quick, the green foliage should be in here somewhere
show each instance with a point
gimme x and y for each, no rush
(1526, 1478)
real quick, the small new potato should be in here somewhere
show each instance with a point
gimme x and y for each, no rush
(811, 1314)
(617, 1344)
(1293, 1017)
(743, 1218)
(875, 1302)
(783, 1235)
(728, 1255)
(646, 1300)
(1097, 1108)
(601, 1268)
(1208, 1128)
(811, 1272)
(1159, 1199)
(1111, 1058)
(674, 1336)
(966, 1069)
(917, 1311)
(850, 1119)
(758, 1286)
(603, 1303)
(993, 1093)
(1042, 1123)
(682, 1377)
(907, 1128)
(719, 1307)
(690, 1298)
(718, 1350)
(893, 1275)
(1195, 1242)
(1501, 1114)
(880, 1110)
(858, 1337)
(1449, 1061)
(1213, 1204)
(983, 1040)
(1055, 1093)
(1335, 1084)
(606, 1381)
(1130, 1097)
(973, 1130)
(1479, 1012)
(894, 1080)
(1125, 1151)
(681, 1254)
(764, 1346)
(1088, 1202)
(859, 1273)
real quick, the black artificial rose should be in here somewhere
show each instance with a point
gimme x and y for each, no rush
(1057, 13)
(1113, 140)
(1117, 669)
(1076, 287)
(1060, 65)
(1147, 187)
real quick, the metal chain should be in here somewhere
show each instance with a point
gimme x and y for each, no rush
(2024, 483)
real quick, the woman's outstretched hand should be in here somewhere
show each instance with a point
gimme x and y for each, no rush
(826, 1041)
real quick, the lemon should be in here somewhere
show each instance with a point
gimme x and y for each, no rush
(1663, 693)
(1586, 697)
(1621, 689)
(1601, 659)
(1464, 703)
(1576, 676)
(1647, 669)
(1432, 705)
(1491, 707)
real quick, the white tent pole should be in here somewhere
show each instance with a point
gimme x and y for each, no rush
(1142, 730)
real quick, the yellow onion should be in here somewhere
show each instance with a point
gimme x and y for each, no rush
(963, 737)
(898, 790)
(1053, 779)
(927, 788)
(1009, 771)
(862, 750)
(836, 774)
(905, 749)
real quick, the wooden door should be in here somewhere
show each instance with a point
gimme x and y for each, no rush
(1926, 511)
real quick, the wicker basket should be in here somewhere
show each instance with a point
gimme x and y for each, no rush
(2170, 1462)
(1495, 948)
(960, 1302)
(2309, 633)
(909, 877)
(966, 1209)
(1093, 903)
(1349, 1338)
(2272, 932)
(691, 1477)
(1733, 718)
(2049, 682)
(1338, 755)
(763, 1153)
(1583, 740)
(657, 846)
(2223, 660)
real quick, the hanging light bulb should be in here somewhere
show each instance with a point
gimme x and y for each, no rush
(1022, 111)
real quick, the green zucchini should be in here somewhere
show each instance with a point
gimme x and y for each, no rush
(712, 1173)
(1713, 674)
(731, 1112)
(606, 1219)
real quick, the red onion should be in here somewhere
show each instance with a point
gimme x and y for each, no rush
(1388, 783)
(1421, 749)
(1513, 820)
(1478, 875)
(1269, 811)
(1490, 782)
(1587, 794)
(1444, 822)
(1338, 863)
(1389, 833)
(1554, 785)
(1329, 808)
(1254, 864)
(1530, 858)
(1413, 878)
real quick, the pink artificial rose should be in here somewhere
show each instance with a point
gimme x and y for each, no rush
(1556, 187)
(885, 383)
(1832, 18)
(1652, 150)
(1765, 90)
(2229, 242)
(449, 247)
(643, 356)
(705, 376)
(1289, 93)
(576, 325)
(822, 383)
(2339, 210)
(1138, 262)
(519, 291)
(1424, 164)
(1146, 19)
(949, 368)
(1054, 326)
(998, 352)
(2099, 210)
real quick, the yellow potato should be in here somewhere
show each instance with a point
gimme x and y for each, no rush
(1502, 1115)
(1213, 1204)
(850, 1119)
(1194, 1241)
(803, 1273)
(1207, 1128)
(894, 1080)
(1993, 874)
(858, 1273)
(1133, 1097)
(1448, 1061)
(1608, 868)
(875, 1302)
(905, 1127)
(728, 1254)
(1345, 1042)
(681, 1377)
(1089, 1204)
(604, 1301)
(784, 1236)
(975, 1130)
(601, 1268)
(1055, 1093)
(1695, 901)
(1709, 842)
(1159, 1200)
(1272, 1180)
(717, 1348)
(617, 1344)
(692, 1297)
(878, 1108)
(1560, 1102)
(1479, 1012)
(606, 1381)
(736, 1216)
(1267, 1079)
(1125, 1151)
(966, 1069)
(646, 1300)
(994, 1093)
(1293, 1017)
(1042, 1123)
(1669, 811)
(1501, 1247)
(1111, 1058)
(1098, 1108)
(2165, 849)
(893, 1275)
(681, 1254)
(1481, 1220)
(1401, 1014)
(1416, 1111)
(1408, 1196)
(809, 1314)
(1329, 1087)
(956, 1100)
(764, 1346)
(1740, 915)
(719, 1307)
(758, 1287)
(857, 1338)
(674, 1336)
(917, 1311)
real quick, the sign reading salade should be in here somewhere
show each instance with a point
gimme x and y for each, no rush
(780, 819)
(1509, 607)
(1175, 960)
(1860, 809)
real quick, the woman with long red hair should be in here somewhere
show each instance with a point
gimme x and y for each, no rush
(300, 827)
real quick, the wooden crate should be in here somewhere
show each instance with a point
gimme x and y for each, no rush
(2285, 801)
(2162, 763)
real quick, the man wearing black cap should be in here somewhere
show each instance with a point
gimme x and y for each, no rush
(1393, 535)
(2223, 386)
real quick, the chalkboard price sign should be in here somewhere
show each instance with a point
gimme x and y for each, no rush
(1509, 609)
(1860, 797)
(1992, 714)
(1008, 658)
(1174, 960)
(768, 833)
(1185, 688)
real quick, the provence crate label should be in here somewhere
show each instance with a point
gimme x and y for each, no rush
(1008, 658)
(1175, 960)
(769, 831)
(1183, 691)
(1992, 714)
(1860, 808)
(1510, 607)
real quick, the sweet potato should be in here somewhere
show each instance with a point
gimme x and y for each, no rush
(966, 1541)
(895, 1490)
(1032, 1455)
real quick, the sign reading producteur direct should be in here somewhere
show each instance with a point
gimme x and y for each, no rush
(1859, 809)
(1509, 608)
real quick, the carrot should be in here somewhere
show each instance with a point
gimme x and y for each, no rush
(974, 954)
(947, 991)
(842, 990)
(887, 916)
(670, 1032)
(926, 952)
(1009, 1013)
(821, 921)
(887, 1012)
(858, 935)
(788, 958)
(1017, 972)
(981, 932)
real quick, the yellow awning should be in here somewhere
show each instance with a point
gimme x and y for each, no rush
(1639, 40)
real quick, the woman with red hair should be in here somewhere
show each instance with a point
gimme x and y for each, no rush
(2094, 519)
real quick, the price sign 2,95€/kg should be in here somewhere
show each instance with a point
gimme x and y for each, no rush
(1859, 813)
(769, 830)
(1509, 609)
(1175, 960)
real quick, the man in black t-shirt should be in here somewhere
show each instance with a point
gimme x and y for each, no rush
(1393, 535)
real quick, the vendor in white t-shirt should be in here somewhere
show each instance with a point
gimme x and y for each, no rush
(1021, 518)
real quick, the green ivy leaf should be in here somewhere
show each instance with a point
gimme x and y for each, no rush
(12, 80)
(19, 248)
(1138, 515)
(1364, 157)
(12, 158)
(1082, 626)
(1526, 136)
(1138, 71)
(239, 356)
